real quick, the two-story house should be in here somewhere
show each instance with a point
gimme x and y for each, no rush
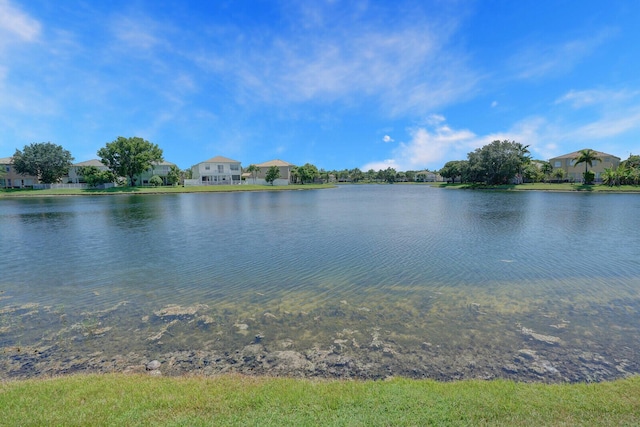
(9, 178)
(218, 170)
(573, 173)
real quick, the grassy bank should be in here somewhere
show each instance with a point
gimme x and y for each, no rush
(541, 186)
(237, 400)
(156, 190)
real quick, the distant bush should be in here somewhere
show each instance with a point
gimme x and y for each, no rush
(156, 181)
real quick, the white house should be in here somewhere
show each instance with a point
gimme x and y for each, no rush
(218, 170)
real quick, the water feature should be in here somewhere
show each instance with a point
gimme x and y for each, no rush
(358, 281)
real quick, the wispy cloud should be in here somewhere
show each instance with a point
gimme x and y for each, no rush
(539, 60)
(16, 25)
(405, 68)
(596, 97)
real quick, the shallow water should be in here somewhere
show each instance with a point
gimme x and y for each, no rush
(359, 281)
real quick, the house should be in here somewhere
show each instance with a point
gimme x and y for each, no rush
(157, 168)
(74, 177)
(574, 173)
(427, 176)
(218, 170)
(9, 178)
(285, 172)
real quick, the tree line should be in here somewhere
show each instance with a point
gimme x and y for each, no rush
(499, 162)
(125, 157)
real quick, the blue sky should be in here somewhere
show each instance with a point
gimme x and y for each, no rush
(340, 84)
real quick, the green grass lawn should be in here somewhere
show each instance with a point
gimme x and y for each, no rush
(119, 399)
(541, 186)
(157, 190)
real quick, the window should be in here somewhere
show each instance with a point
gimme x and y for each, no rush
(595, 162)
(557, 164)
(207, 167)
(220, 168)
(8, 168)
(234, 167)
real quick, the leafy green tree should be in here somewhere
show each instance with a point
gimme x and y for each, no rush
(452, 170)
(174, 175)
(273, 173)
(307, 173)
(130, 156)
(253, 170)
(371, 175)
(93, 176)
(389, 175)
(633, 162)
(49, 162)
(356, 174)
(497, 162)
(411, 176)
(586, 156)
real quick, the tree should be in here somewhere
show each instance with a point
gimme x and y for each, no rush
(497, 162)
(586, 156)
(356, 174)
(49, 162)
(308, 173)
(93, 176)
(130, 156)
(558, 174)
(273, 173)
(253, 170)
(610, 177)
(174, 175)
(451, 170)
(546, 169)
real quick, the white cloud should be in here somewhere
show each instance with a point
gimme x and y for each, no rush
(387, 138)
(429, 147)
(16, 25)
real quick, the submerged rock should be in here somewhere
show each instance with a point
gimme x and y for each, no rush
(153, 365)
(548, 339)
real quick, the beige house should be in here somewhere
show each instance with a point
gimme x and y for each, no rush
(574, 173)
(216, 171)
(285, 173)
(9, 178)
(75, 177)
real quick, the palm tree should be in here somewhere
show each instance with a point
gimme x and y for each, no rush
(586, 156)
(546, 169)
(253, 170)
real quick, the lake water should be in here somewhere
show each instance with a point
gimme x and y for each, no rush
(359, 281)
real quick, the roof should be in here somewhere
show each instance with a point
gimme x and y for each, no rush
(6, 160)
(92, 162)
(163, 163)
(577, 153)
(220, 159)
(276, 162)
